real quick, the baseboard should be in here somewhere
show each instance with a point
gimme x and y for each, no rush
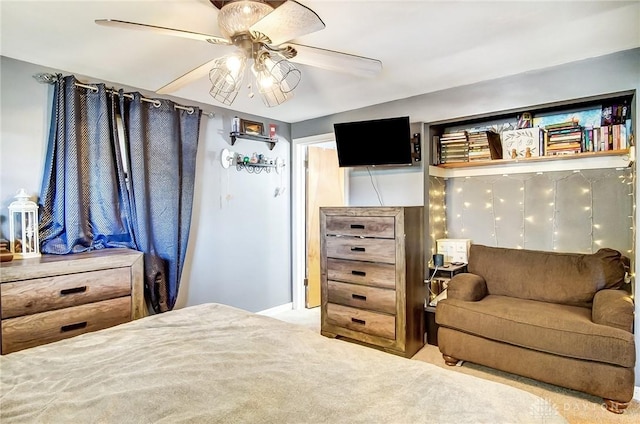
(636, 393)
(277, 309)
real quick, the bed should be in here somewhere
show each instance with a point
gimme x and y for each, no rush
(213, 363)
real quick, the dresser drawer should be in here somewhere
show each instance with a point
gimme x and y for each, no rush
(45, 294)
(374, 323)
(368, 273)
(46, 327)
(372, 298)
(362, 226)
(361, 249)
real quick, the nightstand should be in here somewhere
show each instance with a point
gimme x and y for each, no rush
(437, 284)
(439, 280)
(448, 271)
(55, 297)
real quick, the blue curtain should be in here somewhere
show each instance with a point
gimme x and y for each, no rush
(162, 142)
(96, 196)
(83, 186)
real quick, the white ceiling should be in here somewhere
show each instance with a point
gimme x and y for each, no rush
(424, 46)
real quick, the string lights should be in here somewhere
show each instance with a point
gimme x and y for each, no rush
(578, 211)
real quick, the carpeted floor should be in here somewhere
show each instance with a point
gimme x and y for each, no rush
(576, 407)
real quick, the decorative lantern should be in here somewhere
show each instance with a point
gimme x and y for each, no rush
(24, 241)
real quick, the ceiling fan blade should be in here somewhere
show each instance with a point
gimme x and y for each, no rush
(336, 61)
(188, 78)
(214, 39)
(288, 21)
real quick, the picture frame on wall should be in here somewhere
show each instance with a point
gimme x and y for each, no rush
(251, 127)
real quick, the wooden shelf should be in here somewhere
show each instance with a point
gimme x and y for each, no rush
(256, 168)
(582, 161)
(255, 137)
(508, 118)
(498, 162)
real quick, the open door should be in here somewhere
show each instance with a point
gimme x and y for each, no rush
(325, 187)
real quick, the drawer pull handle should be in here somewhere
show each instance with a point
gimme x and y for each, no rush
(357, 226)
(359, 321)
(358, 297)
(360, 273)
(74, 290)
(357, 249)
(72, 327)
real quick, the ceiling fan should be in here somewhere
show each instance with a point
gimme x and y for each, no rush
(261, 32)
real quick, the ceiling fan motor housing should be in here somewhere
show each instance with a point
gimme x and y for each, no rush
(238, 16)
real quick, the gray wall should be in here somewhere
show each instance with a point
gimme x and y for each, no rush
(595, 76)
(239, 248)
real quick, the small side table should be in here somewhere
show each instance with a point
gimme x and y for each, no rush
(448, 271)
(439, 280)
(437, 286)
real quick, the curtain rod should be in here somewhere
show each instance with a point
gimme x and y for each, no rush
(45, 78)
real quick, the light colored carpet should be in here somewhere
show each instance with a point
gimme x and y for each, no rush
(576, 407)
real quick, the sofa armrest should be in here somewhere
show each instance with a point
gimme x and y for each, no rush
(467, 286)
(614, 308)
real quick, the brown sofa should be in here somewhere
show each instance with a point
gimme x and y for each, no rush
(560, 318)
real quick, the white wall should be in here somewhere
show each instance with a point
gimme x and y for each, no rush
(240, 243)
(395, 187)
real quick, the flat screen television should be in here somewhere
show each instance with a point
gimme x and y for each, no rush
(379, 142)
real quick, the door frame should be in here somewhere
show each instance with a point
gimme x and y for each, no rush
(298, 206)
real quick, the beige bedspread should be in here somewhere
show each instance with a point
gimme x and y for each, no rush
(213, 363)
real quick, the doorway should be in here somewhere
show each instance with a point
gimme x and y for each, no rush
(316, 181)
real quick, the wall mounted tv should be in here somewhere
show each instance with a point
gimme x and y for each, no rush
(379, 142)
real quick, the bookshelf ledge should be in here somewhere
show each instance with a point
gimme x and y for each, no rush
(585, 160)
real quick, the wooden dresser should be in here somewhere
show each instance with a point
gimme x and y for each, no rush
(372, 273)
(55, 297)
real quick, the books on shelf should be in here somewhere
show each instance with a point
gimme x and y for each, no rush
(469, 146)
(598, 125)
(454, 147)
(564, 138)
(608, 137)
(615, 113)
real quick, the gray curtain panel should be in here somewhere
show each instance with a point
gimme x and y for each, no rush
(96, 196)
(83, 186)
(161, 144)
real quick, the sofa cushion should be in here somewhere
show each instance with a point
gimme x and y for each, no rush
(566, 278)
(558, 329)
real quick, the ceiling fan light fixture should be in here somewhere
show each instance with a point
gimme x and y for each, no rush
(281, 71)
(276, 78)
(237, 16)
(273, 96)
(226, 77)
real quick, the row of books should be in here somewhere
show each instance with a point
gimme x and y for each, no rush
(571, 138)
(454, 147)
(565, 138)
(469, 146)
(613, 114)
(610, 137)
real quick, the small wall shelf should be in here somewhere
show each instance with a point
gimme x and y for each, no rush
(228, 159)
(255, 137)
(256, 168)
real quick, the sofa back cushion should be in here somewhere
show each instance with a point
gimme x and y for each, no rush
(566, 278)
